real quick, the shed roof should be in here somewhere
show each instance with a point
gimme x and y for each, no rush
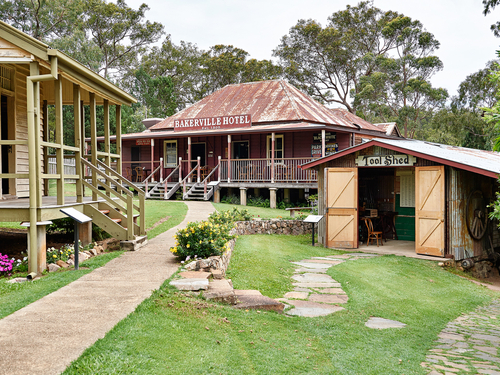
(78, 72)
(273, 101)
(478, 161)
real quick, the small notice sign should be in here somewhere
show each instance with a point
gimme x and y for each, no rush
(143, 142)
(313, 219)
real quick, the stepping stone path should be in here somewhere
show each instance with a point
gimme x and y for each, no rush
(469, 344)
(316, 293)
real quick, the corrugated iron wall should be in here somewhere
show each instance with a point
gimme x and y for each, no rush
(459, 184)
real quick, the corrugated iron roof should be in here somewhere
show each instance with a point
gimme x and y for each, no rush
(478, 161)
(274, 101)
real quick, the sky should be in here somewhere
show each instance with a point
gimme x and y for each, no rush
(257, 26)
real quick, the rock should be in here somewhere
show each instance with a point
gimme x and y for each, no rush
(17, 280)
(52, 267)
(194, 275)
(70, 262)
(93, 252)
(88, 253)
(220, 291)
(217, 274)
(99, 249)
(381, 323)
(190, 284)
(252, 300)
(62, 263)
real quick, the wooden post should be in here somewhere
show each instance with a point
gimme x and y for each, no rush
(119, 165)
(180, 169)
(323, 143)
(229, 158)
(189, 158)
(218, 169)
(272, 163)
(198, 170)
(78, 142)
(152, 157)
(107, 142)
(243, 196)
(45, 112)
(93, 140)
(31, 87)
(59, 140)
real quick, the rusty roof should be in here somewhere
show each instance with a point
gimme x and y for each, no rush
(273, 101)
(478, 161)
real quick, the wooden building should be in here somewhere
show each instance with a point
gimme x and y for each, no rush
(34, 78)
(244, 136)
(432, 194)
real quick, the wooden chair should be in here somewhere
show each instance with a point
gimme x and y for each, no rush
(128, 173)
(139, 174)
(372, 235)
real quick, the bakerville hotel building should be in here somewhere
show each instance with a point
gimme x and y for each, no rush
(245, 138)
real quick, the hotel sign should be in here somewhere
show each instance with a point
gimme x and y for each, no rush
(385, 160)
(213, 123)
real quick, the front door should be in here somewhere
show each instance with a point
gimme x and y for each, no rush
(198, 149)
(429, 210)
(240, 150)
(342, 207)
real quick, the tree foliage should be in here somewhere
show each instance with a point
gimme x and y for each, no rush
(377, 64)
(44, 20)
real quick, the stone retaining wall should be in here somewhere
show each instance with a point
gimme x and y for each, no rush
(273, 226)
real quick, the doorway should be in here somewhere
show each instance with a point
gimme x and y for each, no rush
(6, 149)
(240, 150)
(198, 149)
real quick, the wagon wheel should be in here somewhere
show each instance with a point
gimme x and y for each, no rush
(476, 215)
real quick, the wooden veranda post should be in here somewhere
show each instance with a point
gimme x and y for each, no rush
(59, 140)
(119, 166)
(78, 141)
(93, 136)
(229, 158)
(107, 148)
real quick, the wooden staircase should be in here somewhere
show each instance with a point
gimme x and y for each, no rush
(116, 212)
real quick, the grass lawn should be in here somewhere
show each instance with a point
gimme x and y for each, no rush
(158, 210)
(15, 296)
(177, 333)
(264, 213)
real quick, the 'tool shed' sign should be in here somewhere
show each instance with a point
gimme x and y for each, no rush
(385, 160)
(213, 123)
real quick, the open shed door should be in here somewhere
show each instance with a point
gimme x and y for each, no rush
(342, 207)
(429, 210)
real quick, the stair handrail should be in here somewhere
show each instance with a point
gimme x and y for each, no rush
(183, 182)
(129, 207)
(205, 181)
(151, 175)
(120, 177)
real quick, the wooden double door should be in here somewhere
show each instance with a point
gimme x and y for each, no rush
(342, 209)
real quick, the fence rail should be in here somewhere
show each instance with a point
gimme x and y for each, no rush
(69, 166)
(262, 170)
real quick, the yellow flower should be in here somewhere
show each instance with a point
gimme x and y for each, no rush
(188, 246)
(54, 256)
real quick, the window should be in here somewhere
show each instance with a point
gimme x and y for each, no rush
(170, 154)
(6, 78)
(279, 150)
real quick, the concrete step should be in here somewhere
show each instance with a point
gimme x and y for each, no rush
(253, 299)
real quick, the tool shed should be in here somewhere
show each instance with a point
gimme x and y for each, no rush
(433, 195)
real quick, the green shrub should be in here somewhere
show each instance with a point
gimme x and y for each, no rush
(258, 202)
(207, 238)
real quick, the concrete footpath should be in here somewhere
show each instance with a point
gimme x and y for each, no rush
(47, 335)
